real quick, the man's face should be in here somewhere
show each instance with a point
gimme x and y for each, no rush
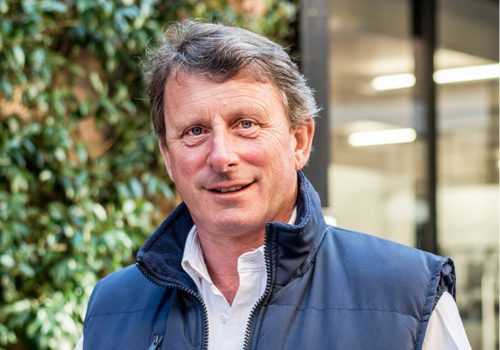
(232, 153)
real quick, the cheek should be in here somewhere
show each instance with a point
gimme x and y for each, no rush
(273, 153)
(187, 164)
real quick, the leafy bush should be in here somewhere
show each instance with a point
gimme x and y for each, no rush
(82, 184)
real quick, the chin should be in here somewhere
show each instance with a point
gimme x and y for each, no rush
(234, 225)
(231, 224)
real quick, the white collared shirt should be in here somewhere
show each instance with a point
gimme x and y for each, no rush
(227, 324)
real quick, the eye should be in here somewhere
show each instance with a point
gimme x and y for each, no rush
(196, 131)
(246, 124)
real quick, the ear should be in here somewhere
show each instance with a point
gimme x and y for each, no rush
(303, 136)
(166, 158)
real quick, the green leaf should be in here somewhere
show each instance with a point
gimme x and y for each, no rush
(45, 175)
(21, 305)
(76, 69)
(53, 6)
(6, 336)
(85, 108)
(99, 211)
(96, 82)
(60, 154)
(19, 183)
(151, 186)
(28, 145)
(7, 261)
(38, 57)
(7, 89)
(129, 206)
(113, 113)
(4, 7)
(18, 53)
(136, 187)
(81, 151)
(26, 270)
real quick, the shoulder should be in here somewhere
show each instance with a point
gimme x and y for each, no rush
(381, 267)
(120, 282)
(355, 245)
(126, 290)
(124, 301)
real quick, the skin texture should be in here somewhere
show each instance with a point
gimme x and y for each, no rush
(225, 135)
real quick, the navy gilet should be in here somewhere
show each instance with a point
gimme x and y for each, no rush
(328, 288)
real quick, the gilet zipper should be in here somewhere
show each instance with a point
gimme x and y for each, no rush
(186, 290)
(156, 343)
(257, 306)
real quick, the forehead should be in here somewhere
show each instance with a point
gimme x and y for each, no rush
(189, 95)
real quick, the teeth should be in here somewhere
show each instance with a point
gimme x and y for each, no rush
(230, 189)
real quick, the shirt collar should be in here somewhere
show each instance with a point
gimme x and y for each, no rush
(193, 261)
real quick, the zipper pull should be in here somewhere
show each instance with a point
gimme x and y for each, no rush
(156, 343)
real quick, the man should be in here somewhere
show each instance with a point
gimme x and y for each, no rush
(247, 261)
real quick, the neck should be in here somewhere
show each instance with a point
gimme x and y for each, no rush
(221, 257)
(222, 250)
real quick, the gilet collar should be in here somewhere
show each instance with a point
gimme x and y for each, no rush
(291, 248)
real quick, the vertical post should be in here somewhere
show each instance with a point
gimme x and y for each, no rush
(488, 302)
(314, 60)
(424, 35)
(493, 136)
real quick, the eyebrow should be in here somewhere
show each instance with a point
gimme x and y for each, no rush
(240, 110)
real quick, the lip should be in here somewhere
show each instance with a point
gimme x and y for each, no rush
(228, 189)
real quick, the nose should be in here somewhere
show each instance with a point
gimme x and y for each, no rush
(223, 156)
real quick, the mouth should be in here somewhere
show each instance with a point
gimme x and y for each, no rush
(230, 189)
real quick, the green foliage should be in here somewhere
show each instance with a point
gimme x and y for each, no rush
(72, 210)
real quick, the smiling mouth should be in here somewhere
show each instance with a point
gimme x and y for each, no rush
(230, 189)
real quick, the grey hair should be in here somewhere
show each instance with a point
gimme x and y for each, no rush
(219, 53)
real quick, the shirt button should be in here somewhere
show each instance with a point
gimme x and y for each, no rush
(223, 318)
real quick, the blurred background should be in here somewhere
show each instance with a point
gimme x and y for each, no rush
(406, 147)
